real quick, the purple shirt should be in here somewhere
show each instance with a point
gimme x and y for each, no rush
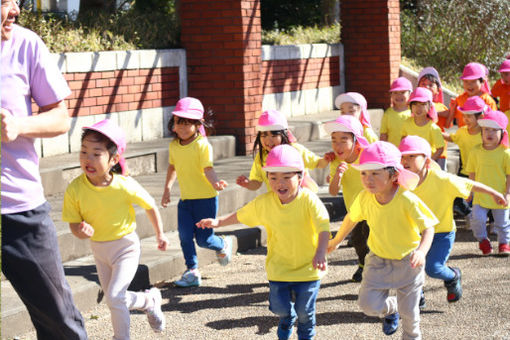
(28, 71)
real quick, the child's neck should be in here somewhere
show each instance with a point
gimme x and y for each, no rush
(189, 140)
(421, 120)
(353, 156)
(489, 147)
(474, 129)
(400, 107)
(386, 196)
(423, 175)
(104, 181)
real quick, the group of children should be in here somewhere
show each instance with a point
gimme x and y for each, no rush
(398, 197)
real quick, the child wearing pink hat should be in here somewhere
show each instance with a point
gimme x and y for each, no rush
(298, 224)
(490, 164)
(435, 183)
(99, 206)
(474, 81)
(273, 130)
(347, 142)
(401, 231)
(422, 123)
(191, 163)
(354, 104)
(395, 116)
(501, 88)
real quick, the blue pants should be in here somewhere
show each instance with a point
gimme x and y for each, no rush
(31, 262)
(188, 214)
(501, 223)
(435, 264)
(291, 301)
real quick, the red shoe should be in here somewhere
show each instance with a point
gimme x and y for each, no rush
(485, 247)
(504, 249)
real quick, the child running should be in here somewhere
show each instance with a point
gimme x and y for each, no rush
(347, 142)
(354, 104)
(395, 116)
(297, 225)
(191, 163)
(273, 130)
(401, 231)
(438, 189)
(422, 123)
(490, 164)
(501, 88)
(98, 206)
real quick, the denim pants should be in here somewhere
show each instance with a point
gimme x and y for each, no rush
(31, 262)
(189, 212)
(291, 301)
(435, 264)
(501, 223)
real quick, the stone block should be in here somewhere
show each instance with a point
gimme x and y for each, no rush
(104, 61)
(77, 123)
(79, 61)
(55, 145)
(131, 123)
(152, 123)
(128, 60)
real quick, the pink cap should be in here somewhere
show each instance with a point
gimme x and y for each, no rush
(189, 107)
(284, 158)
(411, 145)
(476, 71)
(423, 95)
(474, 105)
(347, 124)
(111, 130)
(272, 120)
(401, 84)
(496, 120)
(380, 155)
(432, 71)
(505, 66)
(356, 98)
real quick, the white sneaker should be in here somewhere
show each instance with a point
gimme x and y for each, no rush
(155, 316)
(190, 278)
(225, 255)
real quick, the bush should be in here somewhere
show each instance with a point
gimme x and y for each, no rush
(448, 34)
(302, 35)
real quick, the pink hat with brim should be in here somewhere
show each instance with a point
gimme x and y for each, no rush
(347, 124)
(380, 155)
(111, 130)
(189, 107)
(423, 95)
(496, 120)
(432, 71)
(474, 105)
(273, 120)
(505, 66)
(356, 98)
(476, 71)
(284, 158)
(411, 145)
(401, 84)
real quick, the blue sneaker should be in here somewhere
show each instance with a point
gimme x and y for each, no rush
(390, 323)
(190, 278)
(225, 255)
(454, 287)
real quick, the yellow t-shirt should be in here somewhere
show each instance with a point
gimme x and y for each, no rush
(292, 233)
(491, 168)
(441, 122)
(370, 135)
(189, 162)
(438, 191)
(466, 142)
(310, 160)
(391, 124)
(109, 210)
(350, 182)
(430, 132)
(395, 227)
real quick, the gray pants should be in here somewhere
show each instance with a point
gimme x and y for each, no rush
(379, 276)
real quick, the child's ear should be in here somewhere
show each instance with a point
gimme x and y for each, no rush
(115, 159)
(428, 162)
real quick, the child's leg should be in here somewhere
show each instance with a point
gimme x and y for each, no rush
(186, 228)
(435, 264)
(306, 297)
(280, 303)
(479, 222)
(206, 208)
(359, 237)
(502, 225)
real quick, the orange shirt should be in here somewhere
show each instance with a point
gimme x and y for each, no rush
(461, 100)
(502, 91)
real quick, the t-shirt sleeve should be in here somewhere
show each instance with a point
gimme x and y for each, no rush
(459, 186)
(437, 137)
(356, 212)
(471, 163)
(206, 155)
(384, 122)
(170, 155)
(507, 162)
(139, 195)
(250, 213)
(421, 214)
(319, 214)
(70, 207)
(256, 173)
(404, 131)
(310, 159)
(455, 136)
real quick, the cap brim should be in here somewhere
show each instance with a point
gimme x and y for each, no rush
(281, 169)
(369, 166)
(344, 98)
(488, 123)
(333, 126)
(399, 89)
(275, 127)
(184, 114)
(470, 112)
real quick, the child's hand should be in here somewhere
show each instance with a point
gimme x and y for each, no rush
(342, 168)
(470, 198)
(10, 126)
(220, 185)
(319, 261)
(208, 223)
(162, 242)
(85, 230)
(332, 245)
(500, 199)
(242, 181)
(417, 258)
(330, 156)
(165, 199)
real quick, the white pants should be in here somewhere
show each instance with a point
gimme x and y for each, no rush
(379, 276)
(116, 263)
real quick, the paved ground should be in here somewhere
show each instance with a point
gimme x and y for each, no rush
(232, 303)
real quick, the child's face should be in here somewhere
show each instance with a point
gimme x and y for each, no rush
(419, 109)
(184, 130)
(285, 185)
(378, 181)
(470, 120)
(350, 109)
(491, 137)
(342, 144)
(269, 141)
(95, 161)
(505, 76)
(473, 87)
(400, 98)
(414, 162)
(432, 86)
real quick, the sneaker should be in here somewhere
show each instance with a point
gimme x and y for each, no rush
(190, 278)
(454, 287)
(485, 247)
(390, 323)
(504, 249)
(422, 304)
(155, 316)
(358, 274)
(225, 255)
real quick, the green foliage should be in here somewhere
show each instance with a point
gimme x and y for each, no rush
(302, 35)
(448, 34)
(284, 14)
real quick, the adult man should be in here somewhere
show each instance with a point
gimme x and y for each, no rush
(30, 256)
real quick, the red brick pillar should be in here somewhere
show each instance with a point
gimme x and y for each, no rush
(371, 40)
(222, 39)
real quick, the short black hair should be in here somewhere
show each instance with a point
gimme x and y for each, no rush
(111, 147)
